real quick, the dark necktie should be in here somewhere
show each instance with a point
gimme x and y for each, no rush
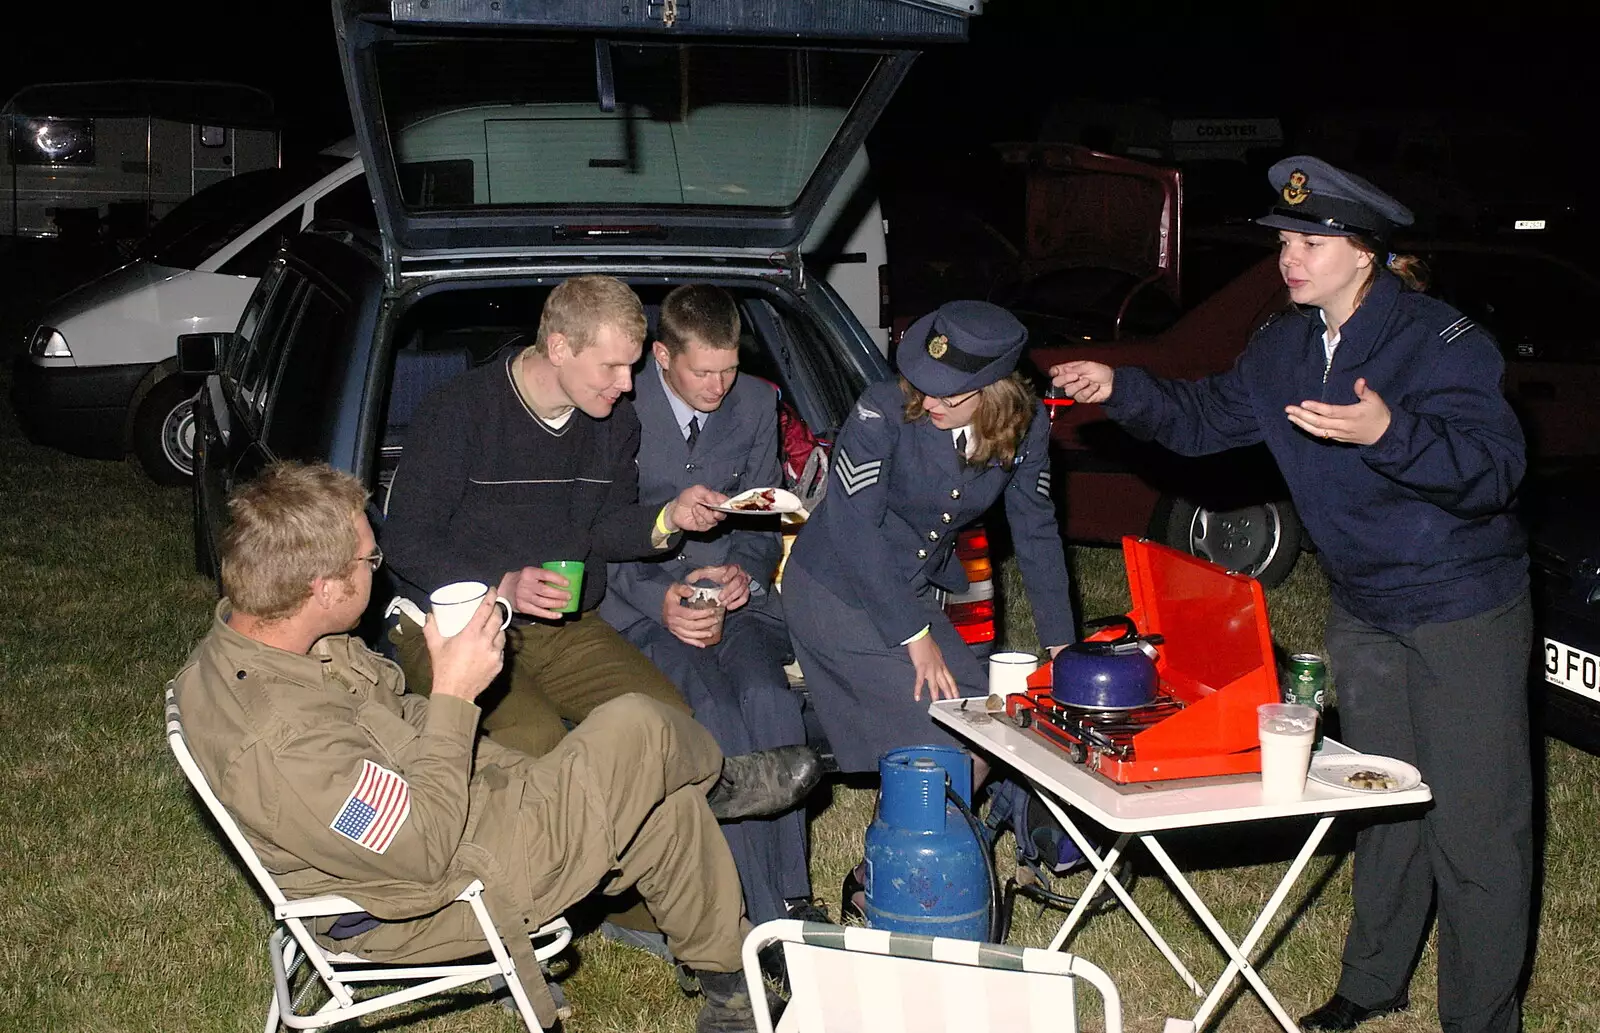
(694, 431)
(961, 443)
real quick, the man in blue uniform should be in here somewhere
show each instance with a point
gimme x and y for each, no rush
(702, 423)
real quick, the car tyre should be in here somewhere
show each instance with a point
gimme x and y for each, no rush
(163, 431)
(1263, 540)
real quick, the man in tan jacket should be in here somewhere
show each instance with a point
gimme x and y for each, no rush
(345, 783)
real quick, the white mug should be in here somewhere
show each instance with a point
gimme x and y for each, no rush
(454, 604)
(1008, 672)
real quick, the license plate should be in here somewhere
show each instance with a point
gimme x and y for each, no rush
(1572, 669)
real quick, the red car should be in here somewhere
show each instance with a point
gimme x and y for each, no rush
(1104, 274)
(1108, 272)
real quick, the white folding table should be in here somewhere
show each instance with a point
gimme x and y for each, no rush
(1147, 808)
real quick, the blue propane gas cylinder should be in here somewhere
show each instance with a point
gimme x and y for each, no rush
(926, 870)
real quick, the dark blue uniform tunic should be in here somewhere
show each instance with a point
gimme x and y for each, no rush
(863, 574)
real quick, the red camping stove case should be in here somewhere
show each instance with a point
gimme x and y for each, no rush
(1216, 663)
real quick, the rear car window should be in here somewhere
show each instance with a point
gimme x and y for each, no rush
(508, 123)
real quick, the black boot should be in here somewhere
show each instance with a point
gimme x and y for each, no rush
(754, 785)
(727, 1008)
(1341, 1013)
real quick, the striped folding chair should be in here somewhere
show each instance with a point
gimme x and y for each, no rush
(291, 945)
(855, 980)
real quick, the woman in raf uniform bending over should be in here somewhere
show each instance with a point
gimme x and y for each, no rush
(916, 460)
(1383, 409)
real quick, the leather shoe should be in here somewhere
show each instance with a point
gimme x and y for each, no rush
(754, 785)
(849, 910)
(1341, 1013)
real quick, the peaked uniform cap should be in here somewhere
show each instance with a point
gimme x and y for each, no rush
(960, 347)
(1312, 196)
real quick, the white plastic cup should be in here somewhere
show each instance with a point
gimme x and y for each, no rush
(454, 604)
(1287, 731)
(1008, 673)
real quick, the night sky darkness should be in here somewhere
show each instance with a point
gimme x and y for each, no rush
(1285, 59)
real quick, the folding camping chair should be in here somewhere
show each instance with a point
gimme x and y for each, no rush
(855, 980)
(291, 943)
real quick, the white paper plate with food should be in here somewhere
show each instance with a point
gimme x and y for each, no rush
(761, 501)
(1364, 773)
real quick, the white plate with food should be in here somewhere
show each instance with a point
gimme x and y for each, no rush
(1364, 773)
(760, 502)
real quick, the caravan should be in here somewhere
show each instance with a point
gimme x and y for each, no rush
(118, 155)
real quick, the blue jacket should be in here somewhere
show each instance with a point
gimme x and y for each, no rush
(898, 493)
(737, 449)
(1415, 528)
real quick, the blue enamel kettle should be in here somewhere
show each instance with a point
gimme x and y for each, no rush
(1114, 674)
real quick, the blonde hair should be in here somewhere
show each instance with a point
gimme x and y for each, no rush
(699, 312)
(290, 525)
(581, 305)
(1005, 411)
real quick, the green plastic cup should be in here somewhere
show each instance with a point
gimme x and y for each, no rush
(572, 570)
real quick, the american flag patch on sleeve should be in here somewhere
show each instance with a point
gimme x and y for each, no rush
(376, 808)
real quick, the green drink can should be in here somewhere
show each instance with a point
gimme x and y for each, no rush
(1306, 681)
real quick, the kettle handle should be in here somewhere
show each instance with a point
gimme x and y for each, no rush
(1130, 630)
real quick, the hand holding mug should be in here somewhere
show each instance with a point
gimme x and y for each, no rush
(465, 663)
(734, 581)
(689, 620)
(539, 592)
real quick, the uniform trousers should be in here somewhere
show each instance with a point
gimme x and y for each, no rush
(554, 674)
(861, 686)
(1452, 699)
(618, 804)
(740, 693)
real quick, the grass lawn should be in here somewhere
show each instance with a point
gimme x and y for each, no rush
(121, 911)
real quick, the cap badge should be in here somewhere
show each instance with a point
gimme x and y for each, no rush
(938, 345)
(1295, 191)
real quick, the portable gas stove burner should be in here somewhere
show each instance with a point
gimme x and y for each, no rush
(1085, 731)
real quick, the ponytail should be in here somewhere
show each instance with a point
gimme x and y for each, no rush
(1413, 271)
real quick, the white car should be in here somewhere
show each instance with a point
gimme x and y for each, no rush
(99, 374)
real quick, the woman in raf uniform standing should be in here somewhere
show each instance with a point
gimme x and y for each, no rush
(1383, 409)
(916, 460)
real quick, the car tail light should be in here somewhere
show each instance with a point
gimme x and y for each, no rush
(972, 612)
(972, 543)
(974, 621)
(972, 549)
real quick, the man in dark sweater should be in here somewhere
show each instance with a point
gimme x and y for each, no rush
(527, 459)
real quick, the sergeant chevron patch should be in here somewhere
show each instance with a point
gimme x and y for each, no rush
(1456, 329)
(1043, 485)
(854, 476)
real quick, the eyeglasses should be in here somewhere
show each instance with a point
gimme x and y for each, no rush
(374, 560)
(951, 403)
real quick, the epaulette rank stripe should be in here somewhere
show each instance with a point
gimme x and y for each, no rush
(1456, 329)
